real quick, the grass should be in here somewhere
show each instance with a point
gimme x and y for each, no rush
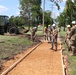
(39, 31)
(73, 65)
(11, 45)
(72, 59)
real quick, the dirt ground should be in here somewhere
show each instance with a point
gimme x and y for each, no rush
(42, 61)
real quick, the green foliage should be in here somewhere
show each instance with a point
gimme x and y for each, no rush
(62, 19)
(30, 9)
(56, 3)
(19, 21)
(73, 65)
(67, 16)
(75, 1)
(70, 9)
(48, 20)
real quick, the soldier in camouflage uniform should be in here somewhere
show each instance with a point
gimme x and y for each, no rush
(49, 33)
(67, 40)
(46, 33)
(73, 38)
(54, 37)
(33, 31)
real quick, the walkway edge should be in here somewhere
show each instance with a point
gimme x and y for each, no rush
(62, 59)
(16, 63)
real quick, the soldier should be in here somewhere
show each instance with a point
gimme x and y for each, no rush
(73, 38)
(46, 31)
(54, 37)
(49, 33)
(67, 40)
(33, 33)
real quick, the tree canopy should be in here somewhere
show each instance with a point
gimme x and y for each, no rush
(31, 10)
(19, 21)
(69, 13)
(56, 3)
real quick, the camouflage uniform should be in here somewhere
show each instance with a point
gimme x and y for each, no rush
(73, 39)
(33, 34)
(49, 34)
(67, 40)
(46, 33)
(54, 38)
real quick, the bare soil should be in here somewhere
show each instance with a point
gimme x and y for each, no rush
(42, 61)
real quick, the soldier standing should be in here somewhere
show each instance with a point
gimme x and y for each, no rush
(54, 37)
(67, 40)
(46, 33)
(73, 38)
(49, 33)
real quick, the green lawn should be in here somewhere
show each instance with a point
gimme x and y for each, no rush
(11, 45)
(72, 65)
(39, 31)
(72, 59)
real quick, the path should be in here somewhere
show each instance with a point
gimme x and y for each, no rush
(42, 61)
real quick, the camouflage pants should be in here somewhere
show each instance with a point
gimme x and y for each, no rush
(46, 36)
(33, 37)
(68, 44)
(49, 38)
(54, 43)
(73, 50)
(73, 46)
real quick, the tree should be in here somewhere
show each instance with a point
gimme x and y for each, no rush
(48, 20)
(31, 10)
(62, 20)
(56, 3)
(68, 14)
(36, 10)
(19, 21)
(70, 10)
(56, 0)
(74, 1)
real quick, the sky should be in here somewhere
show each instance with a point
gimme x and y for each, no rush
(55, 11)
(11, 7)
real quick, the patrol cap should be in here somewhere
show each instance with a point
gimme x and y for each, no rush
(53, 25)
(68, 26)
(73, 22)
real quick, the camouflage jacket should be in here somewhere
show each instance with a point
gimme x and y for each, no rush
(67, 35)
(72, 34)
(55, 33)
